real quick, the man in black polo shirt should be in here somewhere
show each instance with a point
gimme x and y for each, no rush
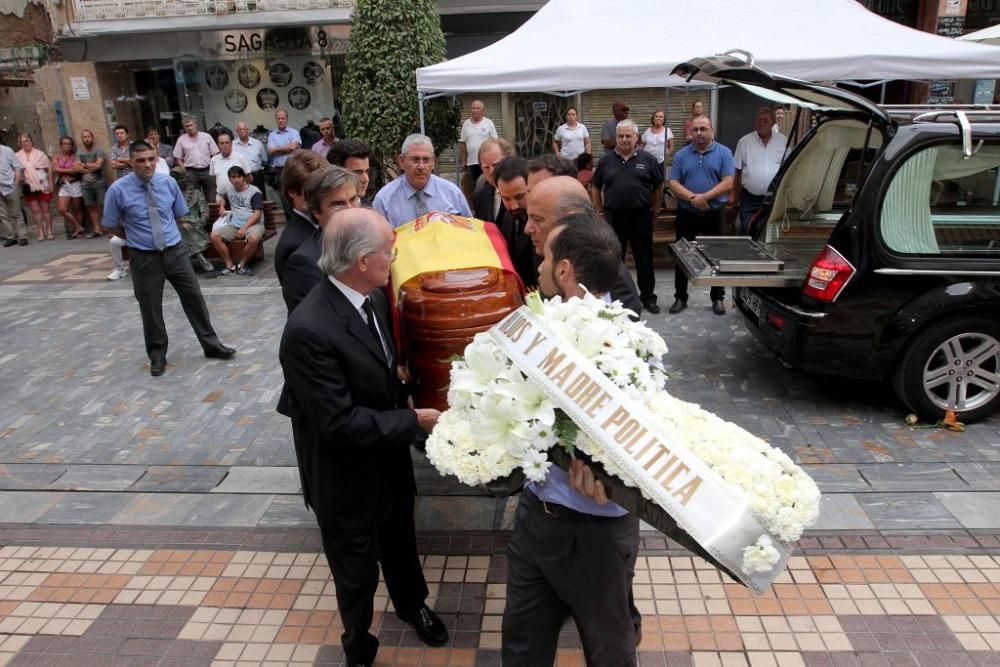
(628, 191)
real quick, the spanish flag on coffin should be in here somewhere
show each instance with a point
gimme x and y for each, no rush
(442, 242)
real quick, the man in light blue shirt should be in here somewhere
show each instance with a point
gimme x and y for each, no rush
(147, 204)
(572, 550)
(281, 143)
(417, 191)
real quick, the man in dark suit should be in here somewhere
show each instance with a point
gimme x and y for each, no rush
(511, 177)
(327, 190)
(301, 225)
(352, 432)
(552, 199)
(486, 204)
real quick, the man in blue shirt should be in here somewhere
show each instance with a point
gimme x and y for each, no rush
(281, 143)
(417, 191)
(572, 551)
(147, 205)
(700, 178)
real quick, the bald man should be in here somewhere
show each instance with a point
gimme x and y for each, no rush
(549, 200)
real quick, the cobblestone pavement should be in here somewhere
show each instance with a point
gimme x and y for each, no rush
(157, 520)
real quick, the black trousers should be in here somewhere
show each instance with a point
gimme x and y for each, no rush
(149, 272)
(749, 205)
(354, 554)
(562, 564)
(206, 181)
(689, 225)
(634, 226)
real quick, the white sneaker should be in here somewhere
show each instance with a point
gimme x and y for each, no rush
(117, 274)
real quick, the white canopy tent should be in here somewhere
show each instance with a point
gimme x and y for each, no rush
(587, 44)
(989, 35)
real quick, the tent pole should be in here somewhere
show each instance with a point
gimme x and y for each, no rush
(420, 107)
(715, 106)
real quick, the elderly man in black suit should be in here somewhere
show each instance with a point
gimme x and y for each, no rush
(352, 431)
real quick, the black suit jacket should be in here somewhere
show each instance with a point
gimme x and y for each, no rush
(298, 229)
(301, 272)
(352, 435)
(482, 203)
(624, 290)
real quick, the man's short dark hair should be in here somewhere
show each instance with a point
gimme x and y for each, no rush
(236, 170)
(592, 247)
(226, 133)
(119, 126)
(555, 164)
(345, 149)
(149, 129)
(138, 146)
(510, 169)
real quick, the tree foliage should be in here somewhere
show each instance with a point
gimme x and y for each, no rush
(390, 39)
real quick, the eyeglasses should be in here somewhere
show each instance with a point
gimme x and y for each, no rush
(392, 255)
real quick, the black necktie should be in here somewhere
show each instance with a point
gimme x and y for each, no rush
(370, 312)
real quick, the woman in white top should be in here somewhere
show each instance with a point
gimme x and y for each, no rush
(658, 139)
(571, 138)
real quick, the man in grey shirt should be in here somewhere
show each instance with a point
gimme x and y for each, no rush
(12, 227)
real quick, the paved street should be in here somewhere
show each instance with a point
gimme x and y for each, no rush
(172, 502)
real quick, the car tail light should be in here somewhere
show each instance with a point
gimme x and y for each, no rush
(776, 321)
(827, 276)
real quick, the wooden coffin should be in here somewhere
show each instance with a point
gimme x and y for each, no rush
(441, 312)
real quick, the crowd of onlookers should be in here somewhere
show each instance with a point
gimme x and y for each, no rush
(227, 172)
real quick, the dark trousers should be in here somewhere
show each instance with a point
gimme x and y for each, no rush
(634, 227)
(149, 272)
(749, 205)
(206, 182)
(354, 554)
(689, 225)
(286, 205)
(562, 564)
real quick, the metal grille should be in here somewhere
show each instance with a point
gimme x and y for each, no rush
(100, 10)
(40, 122)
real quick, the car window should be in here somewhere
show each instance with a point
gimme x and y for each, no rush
(941, 203)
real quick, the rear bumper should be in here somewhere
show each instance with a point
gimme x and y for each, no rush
(806, 339)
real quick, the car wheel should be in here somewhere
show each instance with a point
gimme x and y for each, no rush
(952, 365)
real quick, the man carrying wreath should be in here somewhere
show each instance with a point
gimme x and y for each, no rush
(573, 551)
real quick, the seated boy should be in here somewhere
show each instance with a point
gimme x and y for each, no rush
(244, 220)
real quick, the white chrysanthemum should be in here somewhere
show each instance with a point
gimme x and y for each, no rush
(536, 465)
(760, 557)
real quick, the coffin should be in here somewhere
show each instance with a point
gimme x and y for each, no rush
(441, 311)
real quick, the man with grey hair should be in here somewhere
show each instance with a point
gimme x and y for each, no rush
(352, 432)
(550, 201)
(193, 151)
(326, 191)
(417, 191)
(757, 159)
(628, 192)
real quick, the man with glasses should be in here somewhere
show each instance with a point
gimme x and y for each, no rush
(700, 178)
(194, 151)
(417, 191)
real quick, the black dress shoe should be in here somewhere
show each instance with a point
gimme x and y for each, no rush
(220, 352)
(718, 307)
(157, 367)
(677, 306)
(22, 242)
(9, 242)
(651, 307)
(427, 625)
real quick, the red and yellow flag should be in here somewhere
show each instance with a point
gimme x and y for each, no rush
(442, 242)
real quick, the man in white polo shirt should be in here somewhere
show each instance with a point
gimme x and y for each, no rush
(758, 157)
(475, 130)
(224, 159)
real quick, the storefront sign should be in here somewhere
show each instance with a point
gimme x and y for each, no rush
(263, 42)
(900, 11)
(982, 14)
(80, 88)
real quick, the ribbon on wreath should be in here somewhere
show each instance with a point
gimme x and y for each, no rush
(714, 513)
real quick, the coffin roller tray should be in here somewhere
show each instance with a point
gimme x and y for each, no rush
(731, 261)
